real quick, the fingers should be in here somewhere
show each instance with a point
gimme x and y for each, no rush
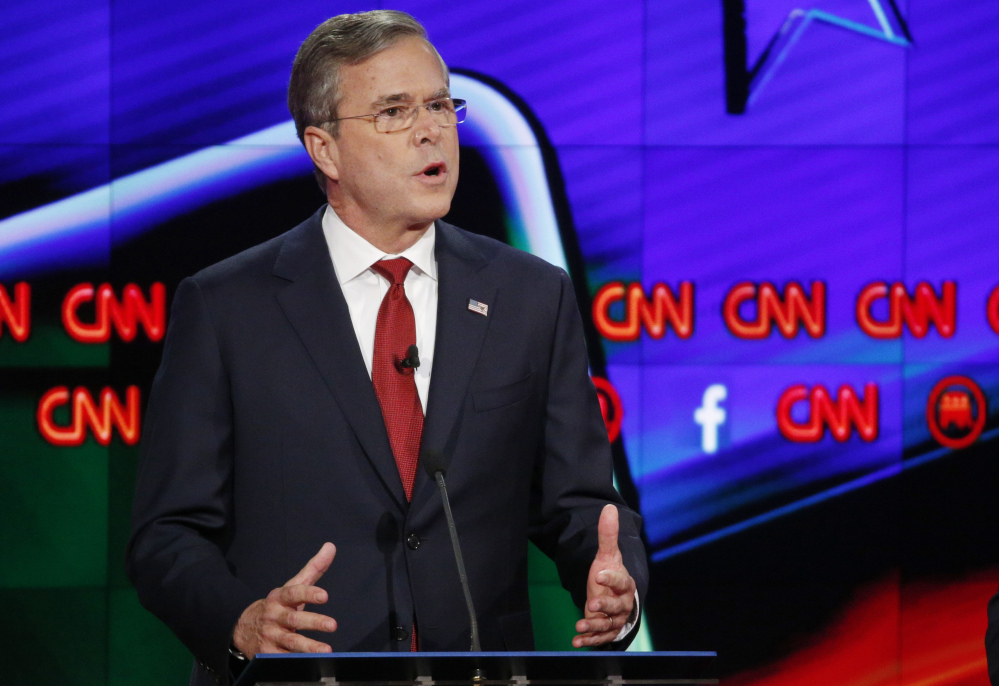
(589, 640)
(596, 631)
(267, 626)
(281, 640)
(271, 625)
(296, 643)
(599, 627)
(276, 641)
(610, 589)
(314, 568)
(599, 624)
(278, 625)
(294, 596)
(611, 606)
(308, 621)
(608, 612)
(607, 530)
(617, 580)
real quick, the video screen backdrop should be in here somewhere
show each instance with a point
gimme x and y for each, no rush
(780, 217)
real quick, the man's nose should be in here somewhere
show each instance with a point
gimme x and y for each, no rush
(426, 128)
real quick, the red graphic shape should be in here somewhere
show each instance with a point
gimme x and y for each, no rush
(124, 314)
(790, 311)
(955, 409)
(917, 312)
(892, 634)
(610, 407)
(658, 313)
(841, 416)
(100, 418)
(992, 309)
(16, 313)
(948, 406)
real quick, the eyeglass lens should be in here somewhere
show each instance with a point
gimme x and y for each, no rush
(444, 113)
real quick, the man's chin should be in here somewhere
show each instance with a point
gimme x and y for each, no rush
(435, 212)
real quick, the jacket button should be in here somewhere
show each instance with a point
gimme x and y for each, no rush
(413, 541)
(400, 634)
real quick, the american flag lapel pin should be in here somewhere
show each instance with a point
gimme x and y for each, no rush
(476, 306)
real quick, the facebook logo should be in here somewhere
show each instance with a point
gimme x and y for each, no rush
(710, 416)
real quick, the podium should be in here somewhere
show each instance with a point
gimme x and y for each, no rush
(596, 668)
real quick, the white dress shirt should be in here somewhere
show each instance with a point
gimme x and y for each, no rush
(364, 289)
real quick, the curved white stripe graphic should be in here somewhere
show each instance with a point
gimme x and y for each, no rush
(143, 199)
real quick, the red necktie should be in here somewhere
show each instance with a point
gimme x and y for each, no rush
(394, 384)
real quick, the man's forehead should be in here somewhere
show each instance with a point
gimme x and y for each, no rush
(402, 51)
(396, 74)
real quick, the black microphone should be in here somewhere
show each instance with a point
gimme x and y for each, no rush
(436, 466)
(412, 358)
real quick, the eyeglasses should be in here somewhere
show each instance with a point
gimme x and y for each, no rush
(443, 111)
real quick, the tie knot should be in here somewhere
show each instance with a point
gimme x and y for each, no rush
(394, 270)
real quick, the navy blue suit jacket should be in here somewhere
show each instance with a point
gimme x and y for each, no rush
(264, 438)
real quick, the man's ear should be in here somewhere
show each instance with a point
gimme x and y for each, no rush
(322, 148)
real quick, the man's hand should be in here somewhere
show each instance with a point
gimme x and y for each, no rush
(269, 625)
(610, 590)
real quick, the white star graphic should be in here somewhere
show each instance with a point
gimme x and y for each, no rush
(887, 24)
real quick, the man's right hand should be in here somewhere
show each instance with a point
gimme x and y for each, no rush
(270, 625)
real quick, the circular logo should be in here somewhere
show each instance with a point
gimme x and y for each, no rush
(956, 412)
(610, 407)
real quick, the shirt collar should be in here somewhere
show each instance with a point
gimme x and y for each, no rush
(353, 255)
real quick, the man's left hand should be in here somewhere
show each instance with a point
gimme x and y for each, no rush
(610, 590)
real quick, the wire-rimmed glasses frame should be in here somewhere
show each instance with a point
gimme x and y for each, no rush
(443, 111)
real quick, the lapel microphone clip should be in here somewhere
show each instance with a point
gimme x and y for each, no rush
(412, 358)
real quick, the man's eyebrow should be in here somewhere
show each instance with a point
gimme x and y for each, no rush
(391, 99)
(444, 92)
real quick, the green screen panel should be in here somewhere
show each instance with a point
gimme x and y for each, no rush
(53, 636)
(553, 613)
(141, 649)
(50, 346)
(53, 503)
(121, 488)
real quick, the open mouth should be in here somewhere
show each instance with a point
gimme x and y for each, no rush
(435, 169)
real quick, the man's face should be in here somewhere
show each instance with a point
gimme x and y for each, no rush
(404, 179)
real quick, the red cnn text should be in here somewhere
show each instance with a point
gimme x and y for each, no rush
(842, 415)
(15, 313)
(661, 311)
(917, 312)
(99, 418)
(124, 314)
(790, 311)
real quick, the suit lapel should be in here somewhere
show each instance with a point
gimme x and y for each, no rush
(317, 310)
(460, 333)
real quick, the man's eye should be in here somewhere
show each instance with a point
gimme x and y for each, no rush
(440, 105)
(392, 112)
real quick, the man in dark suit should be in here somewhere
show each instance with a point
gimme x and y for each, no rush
(295, 398)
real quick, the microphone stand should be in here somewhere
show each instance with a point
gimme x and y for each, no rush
(439, 478)
(436, 465)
